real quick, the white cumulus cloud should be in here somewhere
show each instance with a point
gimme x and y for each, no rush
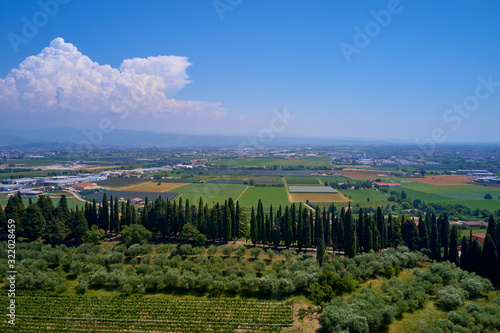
(61, 78)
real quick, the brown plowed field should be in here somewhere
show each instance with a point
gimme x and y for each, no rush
(444, 180)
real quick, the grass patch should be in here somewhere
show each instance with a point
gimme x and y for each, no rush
(209, 192)
(302, 180)
(269, 195)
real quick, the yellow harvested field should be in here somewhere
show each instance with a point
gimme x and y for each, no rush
(318, 197)
(152, 187)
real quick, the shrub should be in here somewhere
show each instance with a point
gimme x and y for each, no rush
(450, 298)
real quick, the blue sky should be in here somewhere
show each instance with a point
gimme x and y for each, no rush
(264, 55)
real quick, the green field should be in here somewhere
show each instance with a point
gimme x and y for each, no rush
(269, 195)
(333, 179)
(29, 162)
(314, 162)
(302, 180)
(362, 195)
(210, 192)
(470, 195)
(25, 174)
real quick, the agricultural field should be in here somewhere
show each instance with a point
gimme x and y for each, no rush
(6, 175)
(311, 189)
(302, 180)
(332, 179)
(470, 195)
(444, 180)
(362, 195)
(362, 174)
(210, 193)
(119, 182)
(312, 162)
(318, 197)
(131, 194)
(150, 186)
(51, 313)
(269, 195)
(29, 162)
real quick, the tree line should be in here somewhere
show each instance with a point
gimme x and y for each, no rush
(296, 225)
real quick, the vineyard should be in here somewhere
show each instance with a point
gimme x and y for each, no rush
(51, 313)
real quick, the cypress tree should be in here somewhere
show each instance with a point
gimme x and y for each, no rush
(349, 235)
(445, 235)
(145, 213)
(361, 229)
(34, 226)
(317, 220)
(475, 256)
(422, 233)
(306, 229)
(104, 214)
(409, 233)
(300, 228)
(128, 213)
(201, 216)
(226, 223)
(237, 222)
(116, 216)
(293, 217)
(95, 214)
(111, 214)
(80, 224)
(376, 238)
(434, 242)
(368, 236)
(123, 216)
(232, 217)
(253, 227)
(311, 228)
(326, 229)
(288, 228)
(46, 207)
(382, 228)
(260, 222)
(211, 226)
(320, 242)
(453, 254)
(15, 210)
(488, 259)
(465, 255)
(390, 231)
(340, 231)
(179, 216)
(492, 228)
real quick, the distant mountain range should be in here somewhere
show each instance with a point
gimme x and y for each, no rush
(129, 138)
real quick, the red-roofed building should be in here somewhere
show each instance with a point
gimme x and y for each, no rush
(136, 201)
(479, 237)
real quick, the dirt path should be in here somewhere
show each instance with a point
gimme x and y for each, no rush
(239, 196)
(286, 190)
(75, 195)
(305, 317)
